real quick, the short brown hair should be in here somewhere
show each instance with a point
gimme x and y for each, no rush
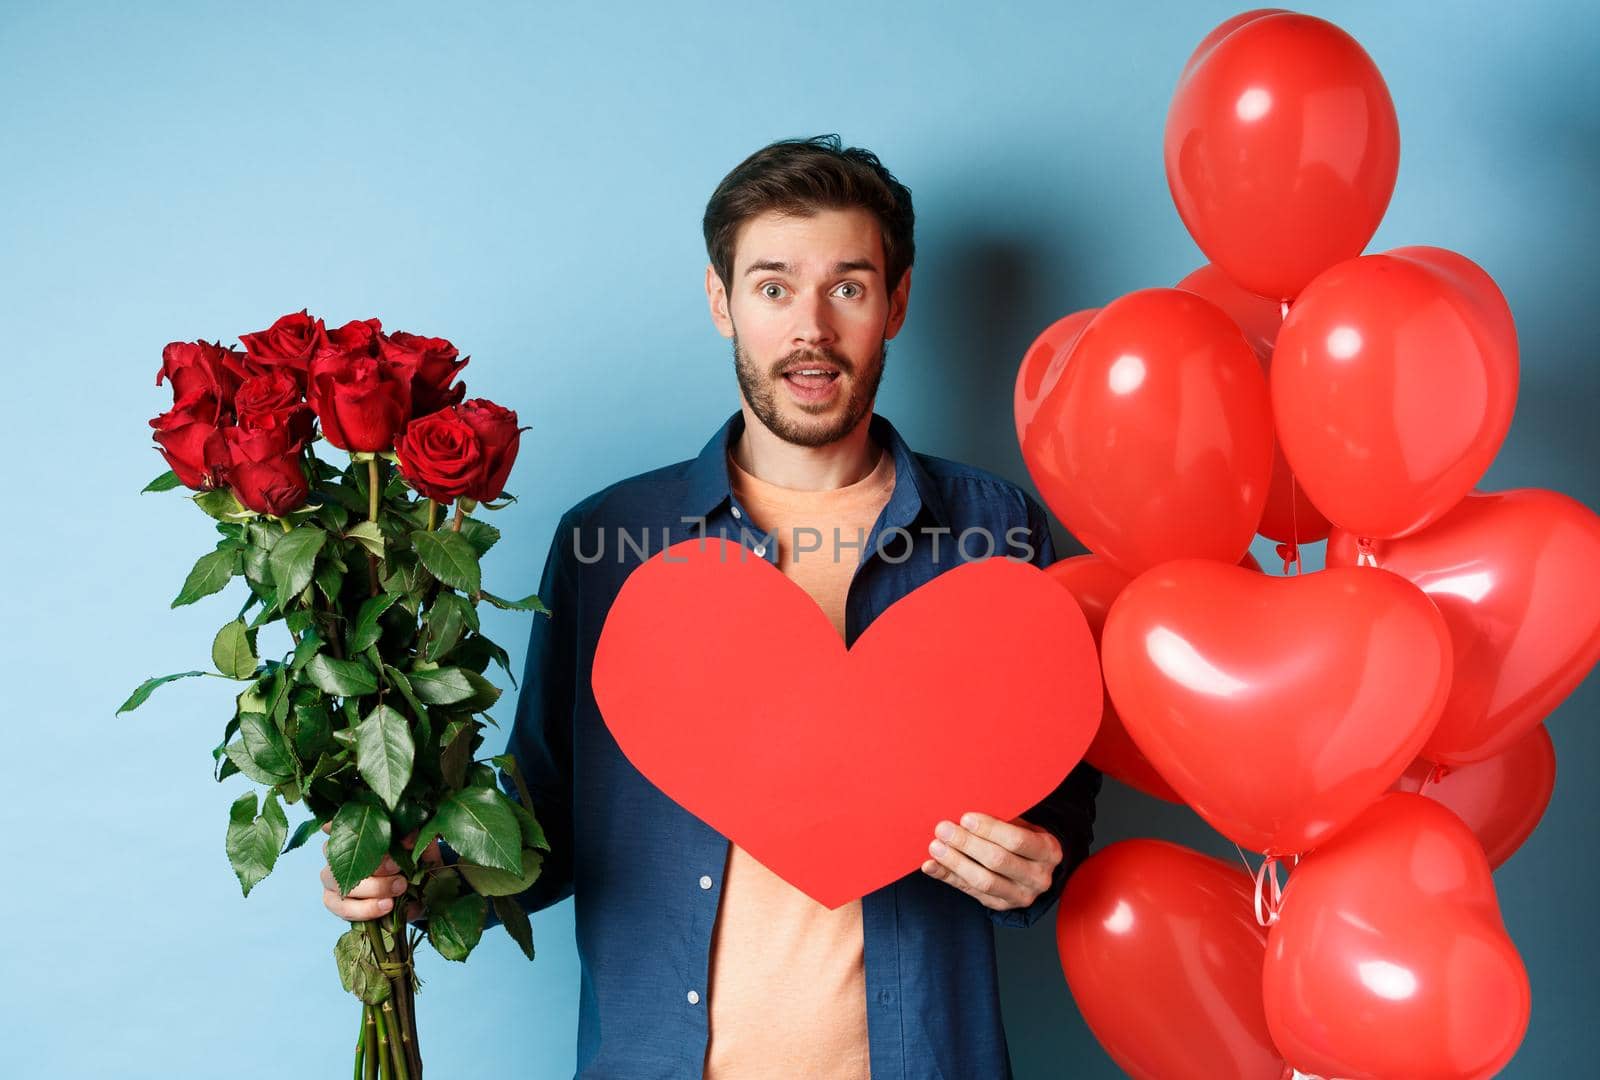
(802, 176)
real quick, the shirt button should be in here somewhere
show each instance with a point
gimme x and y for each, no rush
(705, 881)
(761, 550)
(736, 512)
(694, 997)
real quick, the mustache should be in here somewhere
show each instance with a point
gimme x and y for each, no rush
(823, 355)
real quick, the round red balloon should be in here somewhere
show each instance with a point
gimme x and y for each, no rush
(1042, 365)
(1162, 953)
(1281, 149)
(1501, 799)
(1278, 707)
(1393, 384)
(1095, 584)
(1288, 517)
(1156, 441)
(1389, 957)
(1517, 576)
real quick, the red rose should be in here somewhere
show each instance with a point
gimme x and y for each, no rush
(264, 469)
(200, 370)
(190, 437)
(290, 343)
(498, 439)
(362, 402)
(433, 367)
(360, 336)
(274, 400)
(440, 456)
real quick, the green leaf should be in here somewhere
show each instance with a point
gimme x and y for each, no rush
(366, 631)
(146, 688)
(515, 920)
(302, 832)
(450, 558)
(527, 603)
(442, 686)
(211, 572)
(311, 730)
(479, 823)
(165, 482)
(264, 745)
(345, 678)
(358, 840)
(223, 504)
(499, 883)
(484, 692)
(385, 753)
(330, 579)
(532, 831)
(398, 680)
(449, 616)
(480, 534)
(456, 751)
(232, 653)
(368, 535)
(456, 927)
(359, 972)
(294, 559)
(309, 645)
(253, 842)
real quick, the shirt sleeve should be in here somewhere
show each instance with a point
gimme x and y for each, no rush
(1068, 811)
(541, 733)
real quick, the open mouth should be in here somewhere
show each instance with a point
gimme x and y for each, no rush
(810, 378)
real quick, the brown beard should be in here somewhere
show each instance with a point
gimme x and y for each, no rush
(762, 394)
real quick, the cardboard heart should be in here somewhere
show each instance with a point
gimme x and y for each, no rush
(731, 691)
(1389, 956)
(1279, 708)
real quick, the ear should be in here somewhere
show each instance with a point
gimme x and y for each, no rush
(717, 300)
(898, 301)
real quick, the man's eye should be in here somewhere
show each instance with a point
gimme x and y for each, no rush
(772, 290)
(855, 290)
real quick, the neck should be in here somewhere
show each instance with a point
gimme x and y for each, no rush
(804, 468)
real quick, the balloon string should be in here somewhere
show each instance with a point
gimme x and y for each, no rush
(1269, 892)
(1364, 553)
(1436, 773)
(1249, 870)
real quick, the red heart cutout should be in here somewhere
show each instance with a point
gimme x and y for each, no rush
(729, 689)
(1389, 957)
(1279, 708)
(1517, 577)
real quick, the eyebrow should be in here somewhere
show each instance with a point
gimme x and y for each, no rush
(838, 268)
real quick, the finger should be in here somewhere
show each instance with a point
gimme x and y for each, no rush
(988, 853)
(432, 855)
(356, 910)
(1025, 840)
(327, 827)
(368, 888)
(409, 841)
(980, 877)
(934, 870)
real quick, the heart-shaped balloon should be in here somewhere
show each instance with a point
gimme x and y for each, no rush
(1389, 957)
(1393, 384)
(1517, 577)
(1042, 366)
(1278, 707)
(1156, 441)
(1163, 955)
(1095, 584)
(1288, 516)
(1501, 799)
(726, 685)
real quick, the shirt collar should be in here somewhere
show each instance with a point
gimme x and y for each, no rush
(709, 488)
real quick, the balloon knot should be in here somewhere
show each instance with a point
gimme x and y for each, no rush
(1365, 556)
(1290, 554)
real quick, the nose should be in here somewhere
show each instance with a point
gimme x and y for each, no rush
(813, 325)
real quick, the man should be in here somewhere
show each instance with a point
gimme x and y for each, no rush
(696, 959)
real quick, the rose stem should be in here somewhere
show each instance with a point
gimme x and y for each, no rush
(371, 1050)
(406, 1003)
(433, 515)
(361, 1043)
(460, 513)
(372, 515)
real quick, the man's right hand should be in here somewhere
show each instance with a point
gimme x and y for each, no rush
(374, 897)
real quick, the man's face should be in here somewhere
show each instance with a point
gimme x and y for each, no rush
(809, 314)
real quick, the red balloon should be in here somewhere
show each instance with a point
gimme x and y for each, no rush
(1042, 365)
(1288, 516)
(1156, 442)
(1517, 577)
(1501, 799)
(1161, 949)
(1095, 583)
(1281, 149)
(1389, 957)
(1393, 384)
(1278, 707)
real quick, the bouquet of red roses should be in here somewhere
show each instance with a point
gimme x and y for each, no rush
(374, 713)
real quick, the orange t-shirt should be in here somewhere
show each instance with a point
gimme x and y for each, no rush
(787, 996)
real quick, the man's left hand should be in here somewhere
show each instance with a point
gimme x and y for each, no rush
(1002, 864)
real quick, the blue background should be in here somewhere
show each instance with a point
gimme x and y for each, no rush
(528, 181)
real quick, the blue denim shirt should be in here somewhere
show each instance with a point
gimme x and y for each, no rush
(646, 875)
